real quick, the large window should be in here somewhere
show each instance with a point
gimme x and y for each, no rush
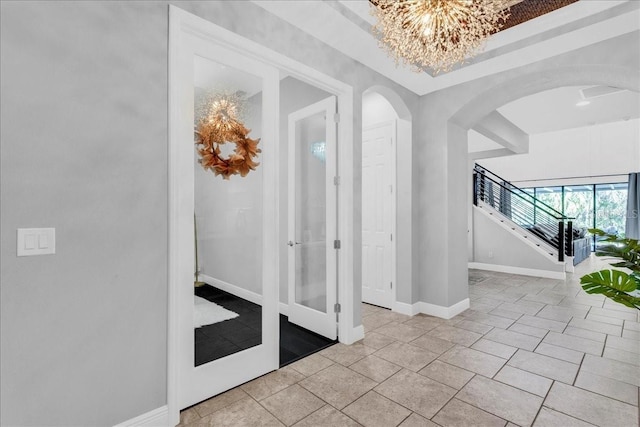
(611, 207)
(551, 197)
(600, 206)
(578, 204)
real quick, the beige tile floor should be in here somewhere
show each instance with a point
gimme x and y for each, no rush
(530, 351)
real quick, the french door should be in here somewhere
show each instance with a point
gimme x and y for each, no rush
(312, 210)
(235, 220)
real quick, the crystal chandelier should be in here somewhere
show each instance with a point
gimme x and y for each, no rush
(436, 34)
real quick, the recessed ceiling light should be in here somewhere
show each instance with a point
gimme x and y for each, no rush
(582, 103)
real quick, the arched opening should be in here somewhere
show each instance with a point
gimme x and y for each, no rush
(386, 199)
(472, 114)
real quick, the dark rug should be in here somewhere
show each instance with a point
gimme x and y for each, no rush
(245, 331)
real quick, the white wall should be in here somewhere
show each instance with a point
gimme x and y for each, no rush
(376, 109)
(493, 244)
(594, 151)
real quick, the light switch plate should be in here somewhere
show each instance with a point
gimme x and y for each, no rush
(36, 241)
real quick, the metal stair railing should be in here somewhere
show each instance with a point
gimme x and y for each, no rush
(525, 210)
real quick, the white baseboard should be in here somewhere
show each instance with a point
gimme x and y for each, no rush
(407, 309)
(157, 418)
(568, 265)
(518, 270)
(444, 312)
(431, 309)
(354, 335)
(232, 289)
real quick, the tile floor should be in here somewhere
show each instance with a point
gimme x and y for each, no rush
(530, 351)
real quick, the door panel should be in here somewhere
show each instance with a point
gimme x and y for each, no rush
(377, 200)
(235, 222)
(312, 217)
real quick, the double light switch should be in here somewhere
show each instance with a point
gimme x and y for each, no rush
(36, 241)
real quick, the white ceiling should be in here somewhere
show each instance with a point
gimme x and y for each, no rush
(556, 109)
(346, 26)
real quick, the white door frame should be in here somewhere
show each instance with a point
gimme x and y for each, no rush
(180, 23)
(195, 383)
(394, 182)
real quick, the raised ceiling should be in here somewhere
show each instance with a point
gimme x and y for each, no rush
(346, 26)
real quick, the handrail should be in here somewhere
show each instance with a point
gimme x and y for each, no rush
(536, 201)
(527, 211)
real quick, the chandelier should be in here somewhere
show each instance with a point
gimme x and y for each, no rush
(436, 34)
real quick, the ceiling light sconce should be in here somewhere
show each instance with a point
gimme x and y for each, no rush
(436, 34)
(583, 103)
(219, 123)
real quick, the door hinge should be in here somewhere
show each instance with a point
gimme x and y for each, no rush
(336, 308)
(336, 180)
(336, 244)
(391, 189)
(391, 284)
(391, 235)
(336, 117)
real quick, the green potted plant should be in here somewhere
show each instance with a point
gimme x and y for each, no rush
(618, 285)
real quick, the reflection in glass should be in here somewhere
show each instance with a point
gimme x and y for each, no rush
(228, 215)
(311, 250)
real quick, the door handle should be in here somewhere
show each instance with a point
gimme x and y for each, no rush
(290, 243)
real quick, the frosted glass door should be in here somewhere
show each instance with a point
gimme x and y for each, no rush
(312, 218)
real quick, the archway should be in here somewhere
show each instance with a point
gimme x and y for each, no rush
(386, 199)
(496, 96)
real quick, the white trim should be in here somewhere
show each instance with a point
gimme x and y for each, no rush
(186, 384)
(232, 289)
(431, 309)
(444, 312)
(353, 335)
(284, 308)
(407, 309)
(518, 270)
(157, 418)
(568, 264)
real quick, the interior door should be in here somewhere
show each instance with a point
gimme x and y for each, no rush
(313, 217)
(377, 213)
(236, 225)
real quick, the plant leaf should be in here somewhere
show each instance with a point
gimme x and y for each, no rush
(614, 279)
(613, 284)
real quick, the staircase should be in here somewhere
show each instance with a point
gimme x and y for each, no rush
(535, 223)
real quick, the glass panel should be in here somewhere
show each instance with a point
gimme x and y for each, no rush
(522, 212)
(311, 250)
(552, 197)
(578, 203)
(228, 216)
(611, 207)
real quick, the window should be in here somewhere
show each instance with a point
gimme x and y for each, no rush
(551, 197)
(611, 207)
(578, 204)
(602, 206)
